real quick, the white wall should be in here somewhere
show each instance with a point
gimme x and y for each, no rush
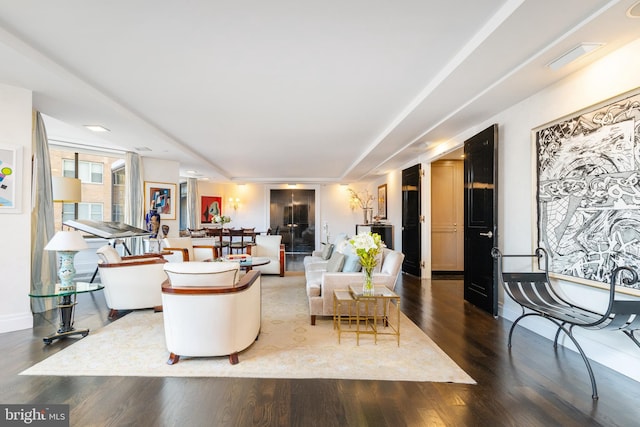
(15, 252)
(609, 77)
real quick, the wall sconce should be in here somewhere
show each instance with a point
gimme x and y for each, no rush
(234, 203)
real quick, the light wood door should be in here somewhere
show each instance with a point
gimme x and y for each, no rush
(447, 215)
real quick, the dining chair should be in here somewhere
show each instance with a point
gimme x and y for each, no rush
(237, 240)
(250, 235)
(218, 240)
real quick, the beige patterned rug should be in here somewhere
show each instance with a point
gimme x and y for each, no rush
(288, 347)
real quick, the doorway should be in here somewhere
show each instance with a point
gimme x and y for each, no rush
(447, 218)
(292, 215)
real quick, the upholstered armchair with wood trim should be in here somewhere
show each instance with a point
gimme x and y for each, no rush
(182, 249)
(208, 312)
(131, 282)
(269, 246)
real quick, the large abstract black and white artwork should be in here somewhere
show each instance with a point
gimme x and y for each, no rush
(588, 191)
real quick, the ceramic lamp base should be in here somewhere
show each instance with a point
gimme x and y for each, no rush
(67, 271)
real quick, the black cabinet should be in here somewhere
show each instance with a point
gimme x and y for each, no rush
(384, 230)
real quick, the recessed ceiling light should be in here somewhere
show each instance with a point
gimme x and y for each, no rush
(97, 128)
(634, 11)
(573, 54)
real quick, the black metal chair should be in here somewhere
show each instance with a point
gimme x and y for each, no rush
(536, 295)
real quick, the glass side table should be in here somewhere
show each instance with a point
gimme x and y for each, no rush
(66, 304)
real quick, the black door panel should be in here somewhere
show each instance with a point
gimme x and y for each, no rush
(411, 230)
(480, 219)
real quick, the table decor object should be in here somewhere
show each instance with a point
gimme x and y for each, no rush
(367, 247)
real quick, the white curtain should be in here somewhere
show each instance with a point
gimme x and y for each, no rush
(43, 263)
(192, 203)
(134, 203)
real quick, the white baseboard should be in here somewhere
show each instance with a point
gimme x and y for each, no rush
(16, 322)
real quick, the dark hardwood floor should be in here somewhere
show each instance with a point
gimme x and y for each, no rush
(532, 385)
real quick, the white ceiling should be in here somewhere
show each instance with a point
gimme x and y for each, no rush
(288, 90)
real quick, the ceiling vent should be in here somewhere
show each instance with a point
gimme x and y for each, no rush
(575, 53)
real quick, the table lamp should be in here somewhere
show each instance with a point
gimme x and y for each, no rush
(67, 244)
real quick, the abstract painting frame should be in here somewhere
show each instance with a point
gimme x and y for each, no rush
(10, 179)
(588, 191)
(208, 206)
(382, 201)
(161, 197)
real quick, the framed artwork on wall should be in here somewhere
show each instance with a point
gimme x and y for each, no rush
(161, 197)
(588, 190)
(210, 206)
(382, 201)
(10, 182)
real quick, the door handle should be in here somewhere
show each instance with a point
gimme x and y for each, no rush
(488, 234)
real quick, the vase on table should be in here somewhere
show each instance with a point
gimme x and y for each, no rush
(368, 215)
(367, 285)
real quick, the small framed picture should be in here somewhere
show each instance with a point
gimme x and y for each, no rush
(161, 197)
(382, 201)
(10, 184)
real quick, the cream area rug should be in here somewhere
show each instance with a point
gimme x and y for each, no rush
(288, 347)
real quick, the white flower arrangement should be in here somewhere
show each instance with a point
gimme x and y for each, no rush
(367, 246)
(221, 219)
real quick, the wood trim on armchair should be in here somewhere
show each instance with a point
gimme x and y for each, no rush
(139, 261)
(281, 260)
(245, 283)
(184, 251)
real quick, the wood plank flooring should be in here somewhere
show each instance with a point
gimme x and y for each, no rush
(532, 385)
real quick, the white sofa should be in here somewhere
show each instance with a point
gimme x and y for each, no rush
(208, 312)
(131, 282)
(325, 276)
(269, 246)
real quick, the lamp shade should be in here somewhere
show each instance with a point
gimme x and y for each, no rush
(66, 241)
(66, 189)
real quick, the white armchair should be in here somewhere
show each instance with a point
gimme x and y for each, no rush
(207, 313)
(182, 249)
(271, 247)
(131, 282)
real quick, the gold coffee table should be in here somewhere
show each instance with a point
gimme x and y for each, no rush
(363, 311)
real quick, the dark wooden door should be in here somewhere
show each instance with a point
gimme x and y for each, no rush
(480, 219)
(411, 220)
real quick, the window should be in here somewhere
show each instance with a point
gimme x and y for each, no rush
(92, 211)
(88, 172)
(117, 194)
(102, 176)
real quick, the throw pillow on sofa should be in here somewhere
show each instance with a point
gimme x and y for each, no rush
(335, 263)
(351, 259)
(327, 251)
